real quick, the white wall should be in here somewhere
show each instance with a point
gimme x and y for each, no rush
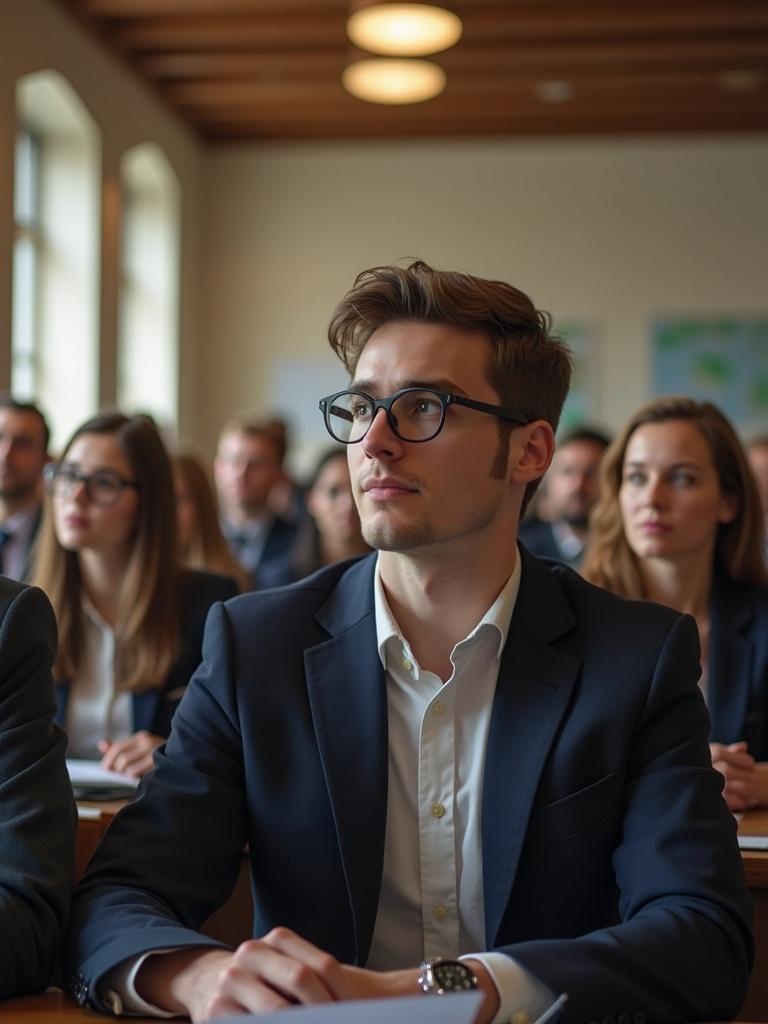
(611, 232)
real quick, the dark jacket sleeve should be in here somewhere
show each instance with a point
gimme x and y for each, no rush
(37, 813)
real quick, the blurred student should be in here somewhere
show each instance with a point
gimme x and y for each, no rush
(679, 522)
(247, 468)
(757, 453)
(130, 619)
(202, 545)
(37, 813)
(24, 439)
(570, 491)
(333, 531)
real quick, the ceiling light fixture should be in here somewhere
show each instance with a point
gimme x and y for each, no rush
(394, 80)
(402, 29)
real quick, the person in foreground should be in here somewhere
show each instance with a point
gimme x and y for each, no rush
(37, 812)
(443, 749)
(679, 521)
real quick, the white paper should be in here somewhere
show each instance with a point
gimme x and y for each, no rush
(456, 1008)
(753, 842)
(91, 775)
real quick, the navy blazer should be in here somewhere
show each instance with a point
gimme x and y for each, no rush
(154, 708)
(610, 865)
(37, 812)
(737, 684)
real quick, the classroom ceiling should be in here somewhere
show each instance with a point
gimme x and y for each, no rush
(271, 69)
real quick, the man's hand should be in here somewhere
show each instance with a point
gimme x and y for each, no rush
(740, 771)
(132, 756)
(268, 974)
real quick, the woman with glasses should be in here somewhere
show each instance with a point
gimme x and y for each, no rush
(331, 533)
(679, 522)
(130, 619)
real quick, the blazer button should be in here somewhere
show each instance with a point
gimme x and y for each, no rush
(639, 1017)
(608, 1020)
(624, 1018)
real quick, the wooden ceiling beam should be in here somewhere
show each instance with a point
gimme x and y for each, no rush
(312, 93)
(362, 115)
(524, 21)
(657, 124)
(548, 59)
(164, 8)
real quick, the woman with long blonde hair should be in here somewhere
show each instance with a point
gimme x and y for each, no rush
(679, 521)
(130, 619)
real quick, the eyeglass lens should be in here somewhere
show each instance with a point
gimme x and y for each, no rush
(414, 415)
(104, 487)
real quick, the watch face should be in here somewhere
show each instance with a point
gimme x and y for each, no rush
(453, 976)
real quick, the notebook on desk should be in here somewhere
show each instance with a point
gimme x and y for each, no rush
(92, 782)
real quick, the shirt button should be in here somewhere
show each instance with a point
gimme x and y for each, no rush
(438, 707)
(520, 1017)
(440, 912)
(437, 810)
(407, 663)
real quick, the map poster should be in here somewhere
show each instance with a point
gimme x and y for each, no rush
(716, 359)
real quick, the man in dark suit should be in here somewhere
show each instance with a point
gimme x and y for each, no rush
(37, 813)
(571, 487)
(443, 750)
(247, 468)
(24, 439)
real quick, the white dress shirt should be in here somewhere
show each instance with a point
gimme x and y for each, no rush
(94, 711)
(431, 900)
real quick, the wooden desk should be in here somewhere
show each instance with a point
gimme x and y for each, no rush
(755, 862)
(54, 1008)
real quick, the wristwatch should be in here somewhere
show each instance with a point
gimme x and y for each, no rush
(440, 977)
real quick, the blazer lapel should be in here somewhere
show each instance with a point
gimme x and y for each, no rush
(532, 693)
(730, 654)
(347, 696)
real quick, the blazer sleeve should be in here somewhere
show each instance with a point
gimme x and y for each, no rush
(37, 811)
(681, 948)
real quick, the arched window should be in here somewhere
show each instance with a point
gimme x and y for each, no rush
(148, 330)
(56, 252)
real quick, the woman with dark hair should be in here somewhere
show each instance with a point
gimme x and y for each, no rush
(202, 545)
(130, 619)
(679, 522)
(332, 531)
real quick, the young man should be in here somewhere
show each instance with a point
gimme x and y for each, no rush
(443, 749)
(247, 468)
(24, 438)
(571, 491)
(37, 812)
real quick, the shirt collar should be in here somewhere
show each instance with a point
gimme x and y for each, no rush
(21, 523)
(498, 616)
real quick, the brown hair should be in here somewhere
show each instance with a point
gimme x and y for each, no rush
(148, 629)
(208, 548)
(610, 562)
(529, 367)
(271, 431)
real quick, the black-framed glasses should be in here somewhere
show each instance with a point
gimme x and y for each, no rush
(103, 487)
(413, 414)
